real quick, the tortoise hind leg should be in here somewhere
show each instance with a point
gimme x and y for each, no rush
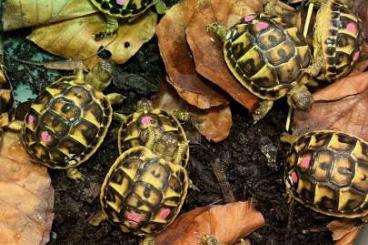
(262, 110)
(74, 174)
(111, 27)
(98, 218)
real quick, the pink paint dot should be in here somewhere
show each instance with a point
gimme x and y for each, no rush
(250, 17)
(293, 177)
(356, 56)
(305, 162)
(134, 217)
(261, 25)
(164, 213)
(120, 2)
(31, 120)
(46, 137)
(351, 27)
(146, 120)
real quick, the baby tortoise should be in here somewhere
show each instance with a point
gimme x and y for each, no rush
(68, 121)
(157, 130)
(267, 56)
(125, 10)
(327, 171)
(337, 40)
(142, 192)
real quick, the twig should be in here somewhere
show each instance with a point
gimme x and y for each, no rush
(219, 172)
(289, 223)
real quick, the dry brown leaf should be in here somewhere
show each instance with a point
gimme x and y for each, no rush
(25, 13)
(343, 232)
(26, 196)
(74, 39)
(178, 61)
(342, 106)
(227, 223)
(208, 54)
(214, 123)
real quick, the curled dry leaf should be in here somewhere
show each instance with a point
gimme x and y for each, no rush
(214, 123)
(74, 39)
(226, 223)
(341, 106)
(343, 232)
(208, 53)
(25, 13)
(26, 196)
(177, 58)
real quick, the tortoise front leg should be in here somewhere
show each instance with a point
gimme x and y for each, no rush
(151, 138)
(98, 218)
(111, 27)
(74, 174)
(182, 147)
(262, 110)
(115, 98)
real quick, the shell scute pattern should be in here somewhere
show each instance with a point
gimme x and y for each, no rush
(327, 171)
(123, 8)
(168, 132)
(142, 192)
(266, 55)
(6, 100)
(342, 41)
(66, 124)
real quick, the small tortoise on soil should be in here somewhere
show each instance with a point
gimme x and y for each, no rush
(68, 121)
(142, 193)
(267, 56)
(337, 40)
(123, 9)
(327, 171)
(157, 130)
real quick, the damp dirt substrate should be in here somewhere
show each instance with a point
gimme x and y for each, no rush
(252, 157)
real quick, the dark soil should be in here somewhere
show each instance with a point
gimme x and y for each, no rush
(252, 157)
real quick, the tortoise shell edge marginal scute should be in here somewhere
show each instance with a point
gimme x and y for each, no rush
(123, 9)
(66, 124)
(328, 171)
(266, 56)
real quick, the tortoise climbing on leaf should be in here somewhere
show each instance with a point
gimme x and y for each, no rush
(267, 57)
(327, 171)
(142, 192)
(157, 130)
(124, 10)
(337, 40)
(68, 121)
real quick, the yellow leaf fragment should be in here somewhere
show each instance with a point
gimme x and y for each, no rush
(25, 13)
(74, 39)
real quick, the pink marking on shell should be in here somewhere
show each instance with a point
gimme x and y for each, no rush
(135, 217)
(351, 27)
(120, 2)
(305, 162)
(31, 120)
(261, 25)
(164, 213)
(250, 17)
(356, 56)
(46, 137)
(146, 120)
(293, 177)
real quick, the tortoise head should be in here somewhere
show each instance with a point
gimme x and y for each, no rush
(100, 76)
(144, 105)
(300, 98)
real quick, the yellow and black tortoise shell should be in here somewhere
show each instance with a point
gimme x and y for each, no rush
(328, 172)
(266, 55)
(66, 124)
(123, 8)
(142, 192)
(342, 41)
(6, 100)
(134, 133)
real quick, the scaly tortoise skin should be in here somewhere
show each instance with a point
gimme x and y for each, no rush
(337, 39)
(327, 171)
(6, 100)
(156, 129)
(143, 193)
(267, 55)
(68, 121)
